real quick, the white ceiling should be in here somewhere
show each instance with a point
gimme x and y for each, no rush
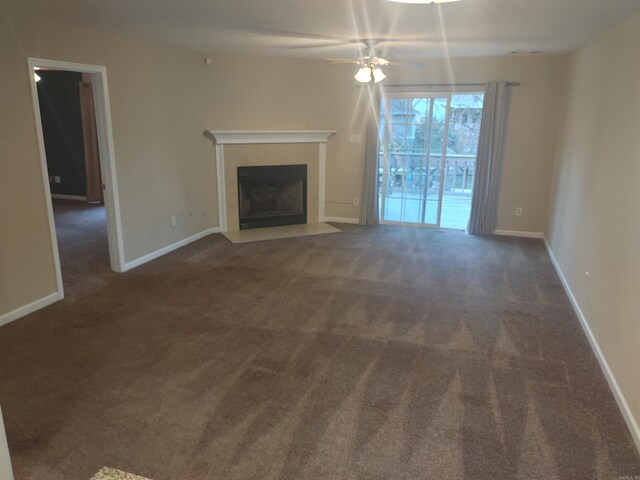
(306, 28)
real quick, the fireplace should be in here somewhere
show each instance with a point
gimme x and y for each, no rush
(249, 148)
(270, 196)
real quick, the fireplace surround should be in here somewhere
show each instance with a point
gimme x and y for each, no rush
(247, 148)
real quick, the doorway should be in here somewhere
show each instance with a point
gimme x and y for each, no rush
(80, 184)
(428, 147)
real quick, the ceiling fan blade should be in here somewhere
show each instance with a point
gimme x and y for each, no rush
(382, 41)
(337, 61)
(303, 35)
(383, 62)
(393, 63)
(317, 45)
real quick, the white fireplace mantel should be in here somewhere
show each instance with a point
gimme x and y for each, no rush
(239, 137)
(247, 137)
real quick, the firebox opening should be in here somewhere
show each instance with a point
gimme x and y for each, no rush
(270, 196)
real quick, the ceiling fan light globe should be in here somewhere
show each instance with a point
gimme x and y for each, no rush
(363, 75)
(378, 75)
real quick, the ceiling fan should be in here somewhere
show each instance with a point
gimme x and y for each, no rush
(368, 57)
(369, 61)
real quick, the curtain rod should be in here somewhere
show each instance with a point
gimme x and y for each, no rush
(430, 85)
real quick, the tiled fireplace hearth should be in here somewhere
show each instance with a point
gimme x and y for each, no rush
(255, 148)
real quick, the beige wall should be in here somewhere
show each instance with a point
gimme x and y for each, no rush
(594, 223)
(163, 98)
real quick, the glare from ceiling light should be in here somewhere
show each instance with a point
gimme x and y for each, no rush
(378, 75)
(37, 77)
(363, 75)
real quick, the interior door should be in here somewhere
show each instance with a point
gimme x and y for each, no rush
(413, 137)
(91, 151)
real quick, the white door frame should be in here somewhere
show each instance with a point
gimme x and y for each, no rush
(107, 158)
(5, 462)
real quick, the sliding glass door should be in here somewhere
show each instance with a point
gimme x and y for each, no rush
(425, 178)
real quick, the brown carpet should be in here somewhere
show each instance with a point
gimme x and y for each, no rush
(376, 353)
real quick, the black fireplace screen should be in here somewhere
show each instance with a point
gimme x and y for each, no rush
(272, 195)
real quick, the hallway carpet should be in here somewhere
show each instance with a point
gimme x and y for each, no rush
(376, 353)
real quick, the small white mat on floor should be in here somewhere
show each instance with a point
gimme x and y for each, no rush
(107, 473)
(274, 233)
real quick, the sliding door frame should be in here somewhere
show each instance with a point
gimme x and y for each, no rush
(445, 138)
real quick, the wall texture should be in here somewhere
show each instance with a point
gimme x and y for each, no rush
(163, 98)
(594, 222)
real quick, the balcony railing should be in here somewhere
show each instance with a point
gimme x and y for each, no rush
(408, 173)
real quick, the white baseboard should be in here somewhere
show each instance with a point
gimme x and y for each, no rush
(169, 248)
(61, 196)
(354, 221)
(518, 233)
(627, 414)
(29, 308)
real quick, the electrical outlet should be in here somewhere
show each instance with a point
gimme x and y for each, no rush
(173, 221)
(355, 138)
(56, 179)
(518, 211)
(50, 178)
(356, 201)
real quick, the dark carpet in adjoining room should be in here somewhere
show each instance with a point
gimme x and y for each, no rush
(376, 353)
